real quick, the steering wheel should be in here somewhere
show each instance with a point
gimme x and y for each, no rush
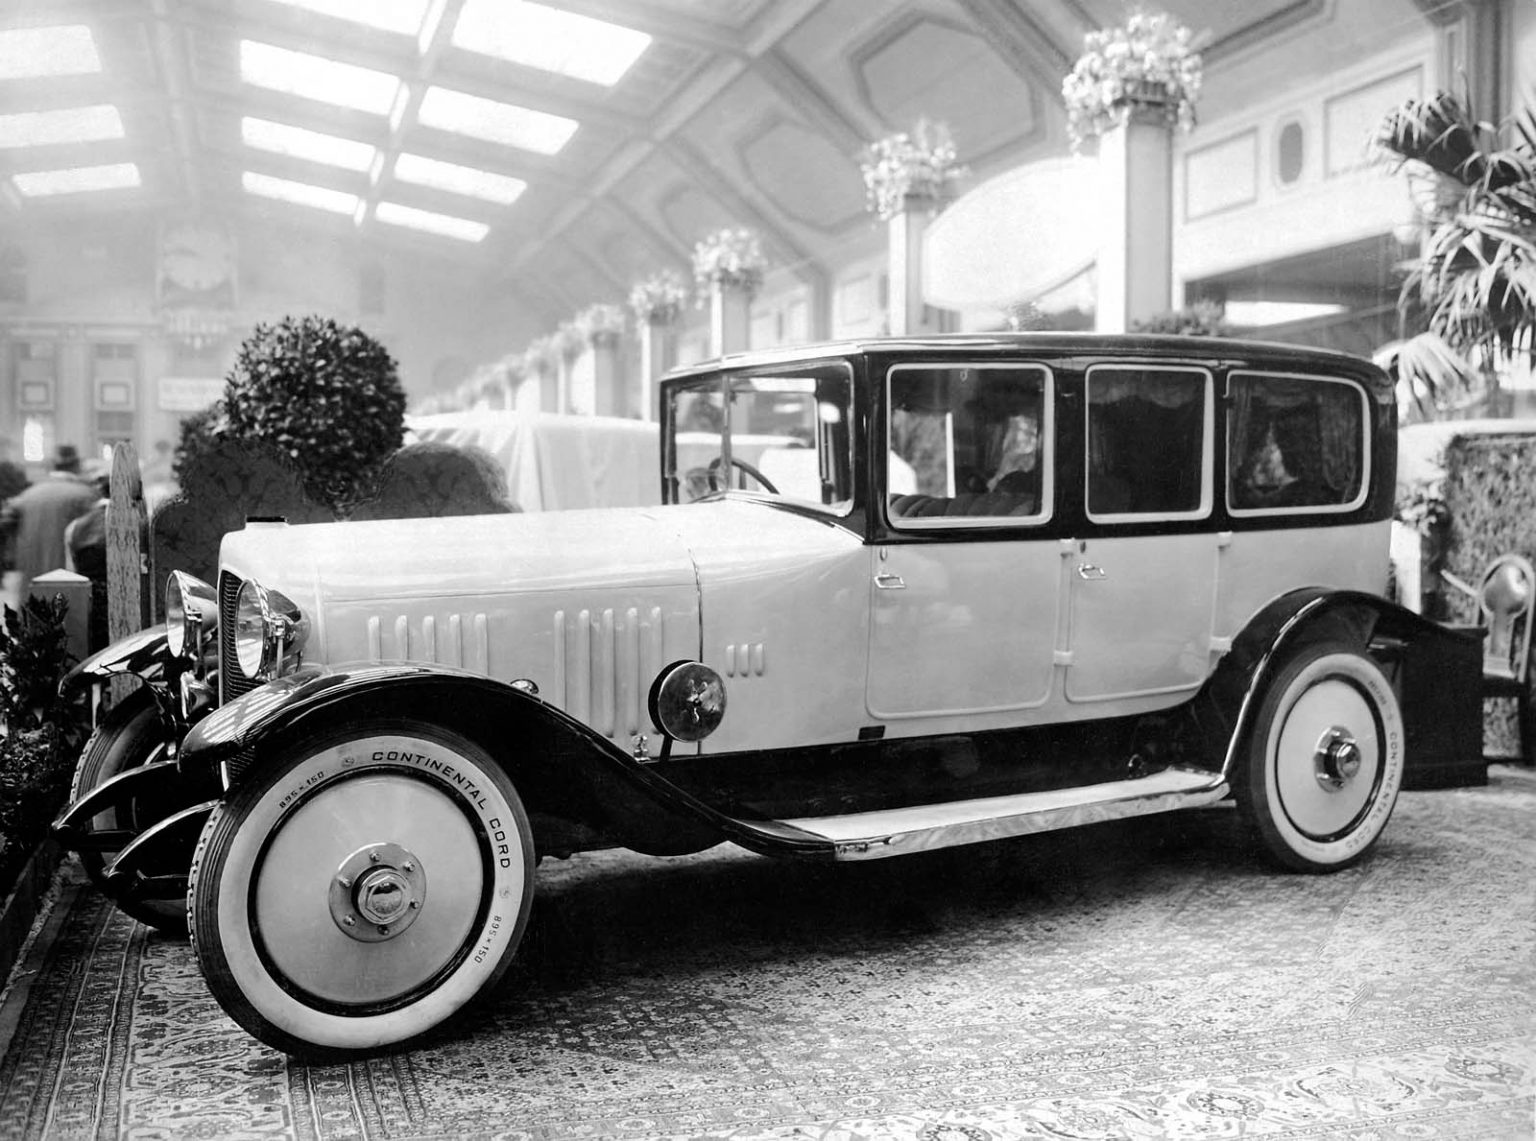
(719, 461)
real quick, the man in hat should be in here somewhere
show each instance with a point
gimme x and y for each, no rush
(37, 517)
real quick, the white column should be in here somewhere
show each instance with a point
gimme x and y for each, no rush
(658, 349)
(905, 262)
(729, 319)
(607, 385)
(1135, 266)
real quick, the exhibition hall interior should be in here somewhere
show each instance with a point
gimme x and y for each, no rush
(537, 212)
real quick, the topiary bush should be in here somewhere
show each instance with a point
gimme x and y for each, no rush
(327, 396)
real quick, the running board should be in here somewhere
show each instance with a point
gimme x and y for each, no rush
(873, 835)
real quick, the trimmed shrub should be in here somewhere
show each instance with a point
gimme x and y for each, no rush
(325, 395)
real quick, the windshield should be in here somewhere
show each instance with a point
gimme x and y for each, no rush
(785, 433)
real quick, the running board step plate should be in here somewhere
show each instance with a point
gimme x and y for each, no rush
(873, 835)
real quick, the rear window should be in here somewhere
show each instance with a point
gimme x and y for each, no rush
(1294, 444)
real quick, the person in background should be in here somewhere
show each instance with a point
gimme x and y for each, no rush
(85, 552)
(36, 517)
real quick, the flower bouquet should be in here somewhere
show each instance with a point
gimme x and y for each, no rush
(659, 299)
(1151, 62)
(732, 258)
(918, 164)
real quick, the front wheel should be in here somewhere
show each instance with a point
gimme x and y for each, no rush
(130, 735)
(361, 889)
(1325, 759)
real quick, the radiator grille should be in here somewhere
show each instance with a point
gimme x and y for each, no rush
(232, 683)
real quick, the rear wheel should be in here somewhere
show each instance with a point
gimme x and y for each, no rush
(1325, 759)
(131, 734)
(361, 889)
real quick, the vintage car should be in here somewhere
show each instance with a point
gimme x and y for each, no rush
(899, 595)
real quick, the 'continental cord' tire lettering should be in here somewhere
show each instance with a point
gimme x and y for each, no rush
(432, 764)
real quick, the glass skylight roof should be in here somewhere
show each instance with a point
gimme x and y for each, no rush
(75, 180)
(69, 125)
(459, 179)
(322, 197)
(315, 77)
(549, 39)
(296, 142)
(461, 228)
(402, 16)
(32, 53)
(495, 122)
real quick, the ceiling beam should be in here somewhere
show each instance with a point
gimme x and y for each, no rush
(1022, 43)
(171, 59)
(809, 99)
(659, 23)
(707, 177)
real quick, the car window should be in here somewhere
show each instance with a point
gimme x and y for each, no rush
(968, 445)
(1294, 444)
(1146, 448)
(784, 434)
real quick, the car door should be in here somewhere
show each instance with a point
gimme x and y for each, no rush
(1143, 573)
(964, 596)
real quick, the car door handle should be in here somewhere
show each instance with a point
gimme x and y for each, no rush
(1090, 572)
(885, 580)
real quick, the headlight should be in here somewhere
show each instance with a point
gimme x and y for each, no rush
(191, 611)
(269, 629)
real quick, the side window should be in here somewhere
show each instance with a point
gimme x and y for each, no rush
(968, 445)
(1147, 432)
(1294, 443)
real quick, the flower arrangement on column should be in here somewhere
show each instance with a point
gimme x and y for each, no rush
(542, 356)
(601, 324)
(916, 165)
(1151, 63)
(731, 258)
(659, 299)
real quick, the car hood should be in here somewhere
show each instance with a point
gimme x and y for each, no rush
(499, 554)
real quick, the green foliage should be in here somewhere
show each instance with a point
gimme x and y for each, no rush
(1202, 319)
(198, 435)
(40, 733)
(325, 395)
(1474, 185)
(1490, 497)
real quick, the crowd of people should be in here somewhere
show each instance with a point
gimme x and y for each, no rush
(56, 523)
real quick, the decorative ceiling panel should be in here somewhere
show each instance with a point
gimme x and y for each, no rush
(942, 72)
(804, 175)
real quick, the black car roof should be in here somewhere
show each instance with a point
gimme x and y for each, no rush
(1220, 352)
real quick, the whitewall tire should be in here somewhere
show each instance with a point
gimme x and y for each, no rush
(1325, 759)
(361, 889)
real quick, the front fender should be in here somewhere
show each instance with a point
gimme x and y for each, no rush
(561, 766)
(146, 655)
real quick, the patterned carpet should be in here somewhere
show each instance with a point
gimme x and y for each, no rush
(1141, 980)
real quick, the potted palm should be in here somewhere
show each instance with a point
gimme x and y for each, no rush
(1474, 285)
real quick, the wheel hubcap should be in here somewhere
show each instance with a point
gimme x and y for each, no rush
(1337, 759)
(377, 892)
(1328, 759)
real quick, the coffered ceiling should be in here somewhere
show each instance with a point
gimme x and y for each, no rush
(710, 113)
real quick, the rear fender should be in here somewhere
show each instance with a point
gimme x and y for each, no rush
(1225, 709)
(561, 767)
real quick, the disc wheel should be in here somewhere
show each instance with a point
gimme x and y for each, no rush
(131, 734)
(361, 889)
(1325, 760)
